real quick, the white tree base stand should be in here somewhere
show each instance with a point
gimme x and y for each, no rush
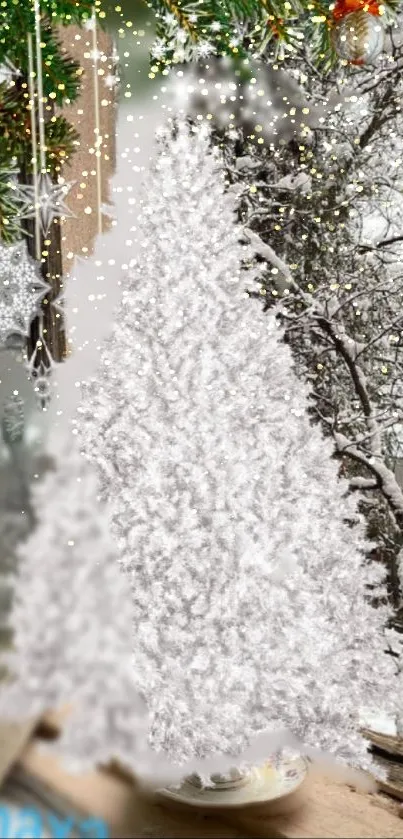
(262, 785)
(280, 788)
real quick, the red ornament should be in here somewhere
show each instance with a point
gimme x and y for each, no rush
(275, 31)
(346, 7)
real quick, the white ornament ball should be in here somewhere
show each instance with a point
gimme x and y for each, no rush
(358, 37)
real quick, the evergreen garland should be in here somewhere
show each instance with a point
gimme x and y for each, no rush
(188, 29)
(61, 82)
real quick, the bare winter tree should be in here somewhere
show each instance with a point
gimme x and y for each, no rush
(326, 213)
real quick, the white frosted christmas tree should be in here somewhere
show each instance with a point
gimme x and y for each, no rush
(72, 623)
(250, 583)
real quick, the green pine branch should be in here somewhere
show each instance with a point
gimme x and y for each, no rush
(59, 71)
(16, 19)
(61, 75)
(14, 120)
(68, 12)
(61, 142)
(15, 136)
(61, 82)
(9, 207)
(188, 30)
(15, 145)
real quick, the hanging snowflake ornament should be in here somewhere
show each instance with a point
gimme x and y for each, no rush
(48, 201)
(40, 367)
(21, 290)
(358, 34)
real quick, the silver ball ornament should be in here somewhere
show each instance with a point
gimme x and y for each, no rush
(358, 37)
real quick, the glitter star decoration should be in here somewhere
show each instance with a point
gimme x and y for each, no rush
(21, 290)
(50, 203)
(90, 24)
(111, 81)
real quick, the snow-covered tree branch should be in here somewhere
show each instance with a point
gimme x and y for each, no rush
(325, 214)
(367, 448)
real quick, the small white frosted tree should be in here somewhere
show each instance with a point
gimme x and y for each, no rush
(250, 583)
(72, 622)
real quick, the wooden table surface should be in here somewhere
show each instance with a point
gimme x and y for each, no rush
(325, 810)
